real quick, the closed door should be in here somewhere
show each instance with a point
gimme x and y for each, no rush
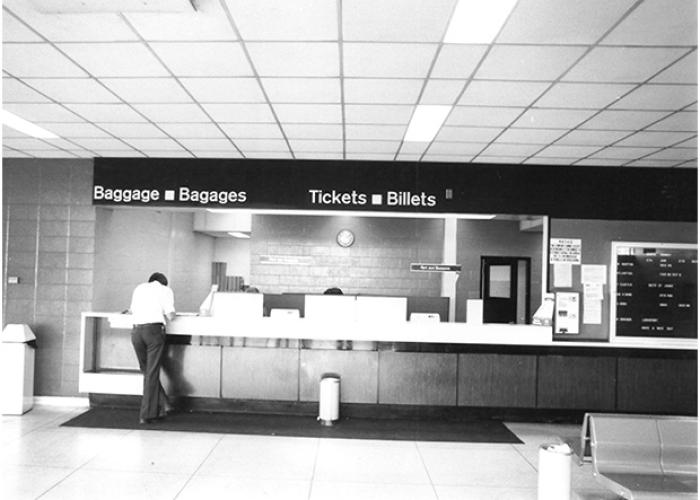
(505, 289)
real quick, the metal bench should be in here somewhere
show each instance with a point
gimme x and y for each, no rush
(643, 456)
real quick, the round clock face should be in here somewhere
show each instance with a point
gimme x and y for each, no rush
(345, 238)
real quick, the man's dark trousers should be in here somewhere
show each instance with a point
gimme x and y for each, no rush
(149, 343)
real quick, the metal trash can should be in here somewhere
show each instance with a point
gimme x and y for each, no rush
(554, 472)
(16, 369)
(329, 399)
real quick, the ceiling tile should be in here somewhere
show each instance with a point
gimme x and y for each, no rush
(15, 91)
(582, 95)
(690, 143)
(441, 91)
(192, 130)
(529, 135)
(658, 22)
(70, 90)
(467, 134)
(523, 150)
(622, 120)
(382, 90)
(308, 113)
(55, 153)
(209, 22)
(601, 162)
(252, 130)
(133, 130)
(147, 90)
(11, 153)
(377, 132)
(281, 20)
(622, 64)
(42, 112)
(683, 71)
(155, 144)
(114, 59)
(15, 31)
(37, 60)
(592, 137)
(448, 158)
(653, 163)
(72, 130)
(370, 156)
(553, 118)
(157, 153)
(457, 61)
(482, 116)
(530, 62)
(408, 157)
(207, 153)
(675, 154)
(173, 113)
(499, 93)
(561, 22)
(295, 58)
(414, 147)
(224, 89)
(306, 90)
(301, 155)
(318, 145)
(27, 144)
(559, 151)
(659, 97)
(378, 114)
(240, 113)
(107, 153)
(102, 144)
(396, 20)
(204, 58)
(112, 113)
(685, 121)
(279, 155)
(387, 60)
(10, 132)
(623, 153)
(390, 147)
(314, 131)
(250, 145)
(455, 148)
(503, 160)
(655, 139)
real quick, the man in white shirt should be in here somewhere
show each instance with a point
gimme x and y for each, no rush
(152, 304)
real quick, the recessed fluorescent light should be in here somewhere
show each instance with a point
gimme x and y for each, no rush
(476, 21)
(22, 125)
(426, 121)
(238, 234)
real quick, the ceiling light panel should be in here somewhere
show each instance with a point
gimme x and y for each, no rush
(192, 130)
(426, 122)
(477, 22)
(396, 20)
(295, 59)
(284, 20)
(382, 90)
(482, 116)
(302, 90)
(467, 134)
(678, 122)
(658, 22)
(622, 64)
(252, 130)
(173, 113)
(683, 71)
(529, 62)
(378, 114)
(42, 112)
(659, 97)
(133, 130)
(114, 59)
(240, 113)
(15, 91)
(623, 120)
(316, 131)
(501, 93)
(309, 113)
(110, 113)
(72, 90)
(561, 22)
(239, 90)
(204, 58)
(37, 60)
(388, 60)
(208, 23)
(441, 91)
(583, 95)
(374, 132)
(147, 90)
(457, 61)
(553, 118)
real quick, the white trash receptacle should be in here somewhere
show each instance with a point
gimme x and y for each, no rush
(554, 472)
(16, 369)
(329, 399)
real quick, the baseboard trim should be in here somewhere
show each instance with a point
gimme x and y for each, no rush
(62, 401)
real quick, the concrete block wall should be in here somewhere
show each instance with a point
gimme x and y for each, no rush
(377, 263)
(49, 244)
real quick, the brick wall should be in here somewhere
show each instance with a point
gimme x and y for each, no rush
(49, 243)
(377, 263)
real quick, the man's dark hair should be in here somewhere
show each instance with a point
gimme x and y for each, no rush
(160, 278)
(333, 291)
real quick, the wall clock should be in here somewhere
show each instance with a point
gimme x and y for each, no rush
(345, 238)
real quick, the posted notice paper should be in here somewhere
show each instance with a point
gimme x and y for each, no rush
(594, 273)
(592, 311)
(565, 250)
(562, 275)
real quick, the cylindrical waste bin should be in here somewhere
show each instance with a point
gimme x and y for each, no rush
(16, 369)
(554, 472)
(329, 399)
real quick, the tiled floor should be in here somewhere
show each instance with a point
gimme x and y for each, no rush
(40, 459)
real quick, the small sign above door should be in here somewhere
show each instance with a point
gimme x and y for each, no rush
(436, 268)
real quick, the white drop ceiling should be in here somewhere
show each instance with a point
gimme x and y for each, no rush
(565, 82)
